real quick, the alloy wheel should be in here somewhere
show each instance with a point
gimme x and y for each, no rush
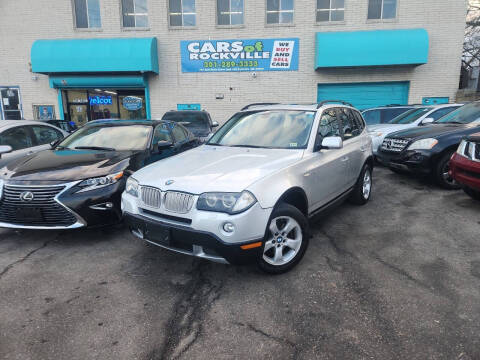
(367, 184)
(283, 242)
(447, 178)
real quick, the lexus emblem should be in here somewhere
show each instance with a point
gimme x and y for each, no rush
(169, 182)
(389, 144)
(26, 196)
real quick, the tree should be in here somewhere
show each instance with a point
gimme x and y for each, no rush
(471, 45)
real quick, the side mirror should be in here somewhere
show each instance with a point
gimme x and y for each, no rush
(215, 124)
(5, 149)
(428, 120)
(163, 145)
(53, 144)
(332, 142)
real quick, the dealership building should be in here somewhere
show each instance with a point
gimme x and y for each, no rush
(90, 59)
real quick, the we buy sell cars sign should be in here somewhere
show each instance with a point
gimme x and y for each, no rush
(240, 55)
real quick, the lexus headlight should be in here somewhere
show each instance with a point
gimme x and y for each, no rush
(230, 203)
(132, 187)
(424, 144)
(97, 183)
(375, 133)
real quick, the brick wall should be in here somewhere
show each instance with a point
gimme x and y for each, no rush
(24, 21)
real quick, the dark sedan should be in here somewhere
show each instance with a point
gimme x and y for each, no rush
(427, 149)
(79, 181)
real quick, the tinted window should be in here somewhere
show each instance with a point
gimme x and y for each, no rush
(442, 112)
(463, 115)
(161, 134)
(46, 135)
(283, 129)
(390, 114)
(18, 138)
(197, 122)
(372, 117)
(410, 116)
(329, 125)
(178, 133)
(350, 125)
(360, 122)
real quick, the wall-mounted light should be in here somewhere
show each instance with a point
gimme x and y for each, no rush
(34, 77)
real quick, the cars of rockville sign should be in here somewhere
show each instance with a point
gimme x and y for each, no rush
(79, 181)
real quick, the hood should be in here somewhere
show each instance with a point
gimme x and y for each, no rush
(216, 168)
(66, 165)
(432, 131)
(388, 128)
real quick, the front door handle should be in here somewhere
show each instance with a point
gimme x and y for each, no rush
(345, 159)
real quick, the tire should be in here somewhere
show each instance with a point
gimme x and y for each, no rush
(441, 173)
(282, 252)
(474, 194)
(363, 188)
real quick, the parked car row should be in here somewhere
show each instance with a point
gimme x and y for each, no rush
(426, 147)
(246, 194)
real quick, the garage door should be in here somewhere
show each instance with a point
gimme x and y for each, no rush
(366, 95)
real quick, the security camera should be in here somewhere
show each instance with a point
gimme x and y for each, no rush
(254, 75)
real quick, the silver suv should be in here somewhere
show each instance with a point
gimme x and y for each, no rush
(247, 194)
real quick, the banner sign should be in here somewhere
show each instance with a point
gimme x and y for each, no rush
(240, 55)
(132, 103)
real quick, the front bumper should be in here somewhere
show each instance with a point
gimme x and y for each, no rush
(68, 209)
(188, 241)
(465, 171)
(414, 161)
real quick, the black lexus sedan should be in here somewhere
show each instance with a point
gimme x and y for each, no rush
(79, 181)
(427, 150)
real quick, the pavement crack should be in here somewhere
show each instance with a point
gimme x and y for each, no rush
(10, 266)
(277, 339)
(185, 325)
(335, 246)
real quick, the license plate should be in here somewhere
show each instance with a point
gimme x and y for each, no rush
(27, 213)
(159, 234)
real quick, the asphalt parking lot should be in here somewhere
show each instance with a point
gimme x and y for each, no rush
(398, 278)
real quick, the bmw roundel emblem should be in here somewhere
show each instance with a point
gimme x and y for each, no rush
(169, 182)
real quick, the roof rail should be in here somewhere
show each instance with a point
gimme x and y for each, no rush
(333, 101)
(258, 104)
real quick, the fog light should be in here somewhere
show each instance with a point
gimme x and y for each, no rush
(229, 227)
(109, 205)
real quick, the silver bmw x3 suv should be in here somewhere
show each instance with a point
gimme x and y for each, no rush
(249, 192)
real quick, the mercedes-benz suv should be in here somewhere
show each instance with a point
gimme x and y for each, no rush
(247, 194)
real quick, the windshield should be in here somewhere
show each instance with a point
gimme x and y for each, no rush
(197, 123)
(279, 129)
(410, 116)
(119, 138)
(466, 114)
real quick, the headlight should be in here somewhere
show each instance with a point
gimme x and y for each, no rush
(460, 150)
(375, 133)
(132, 187)
(230, 203)
(97, 183)
(1, 188)
(424, 144)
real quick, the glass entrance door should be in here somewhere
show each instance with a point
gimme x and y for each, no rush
(78, 114)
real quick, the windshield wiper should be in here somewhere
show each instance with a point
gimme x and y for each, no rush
(214, 144)
(251, 146)
(94, 148)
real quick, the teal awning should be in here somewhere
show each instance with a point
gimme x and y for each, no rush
(104, 82)
(371, 48)
(95, 55)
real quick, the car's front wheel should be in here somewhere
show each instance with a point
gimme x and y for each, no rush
(286, 240)
(363, 188)
(442, 173)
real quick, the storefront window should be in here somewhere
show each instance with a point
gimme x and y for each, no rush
(10, 104)
(94, 104)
